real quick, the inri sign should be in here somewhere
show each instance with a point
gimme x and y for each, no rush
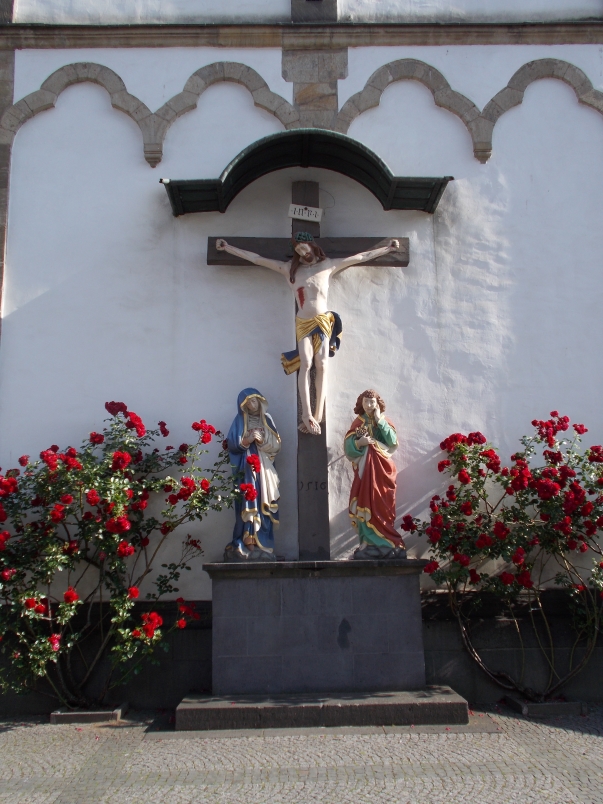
(305, 213)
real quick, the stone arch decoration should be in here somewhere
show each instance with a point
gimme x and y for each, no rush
(480, 124)
(153, 126)
(413, 70)
(512, 94)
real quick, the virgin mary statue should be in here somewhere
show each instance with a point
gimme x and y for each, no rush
(253, 443)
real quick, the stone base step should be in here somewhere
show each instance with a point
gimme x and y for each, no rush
(428, 706)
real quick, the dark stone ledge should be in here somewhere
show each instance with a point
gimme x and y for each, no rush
(304, 36)
(315, 569)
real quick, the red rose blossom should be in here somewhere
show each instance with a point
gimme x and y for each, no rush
(135, 423)
(133, 592)
(92, 497)
(70, 596)
(464, 477)
(57, 514)
(523, 579)
(474, 576)
(181, 623)
(96, 438)
(254, 462)
(24, 460)
(116, 407)
(124, 549)
(431, 567)
(518, 556)
(121, 460)
(119, 524)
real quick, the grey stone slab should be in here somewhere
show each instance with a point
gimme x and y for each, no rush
(299, 636)
(333, 634)
(329, 672)
(315, 617)
(364, 633)
(264, 636)
(314, 569)
(63, 716)
(404, 636)
(377, 671)
(229, 636)
(382, 595)
(313, 596)
(435, 705)
(247, 675)
(546, 708)
(249, 596)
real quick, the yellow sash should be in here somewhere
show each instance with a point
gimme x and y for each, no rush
(303, 328)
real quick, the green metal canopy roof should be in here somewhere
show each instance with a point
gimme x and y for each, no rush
(306, 147)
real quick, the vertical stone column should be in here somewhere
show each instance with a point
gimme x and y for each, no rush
(6, 11)
(313, 10)
(314, 74)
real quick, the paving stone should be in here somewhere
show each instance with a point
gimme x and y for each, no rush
(509, 759)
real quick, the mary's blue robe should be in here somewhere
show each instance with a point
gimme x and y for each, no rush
(255, 519)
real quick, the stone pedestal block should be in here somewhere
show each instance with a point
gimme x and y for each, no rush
(317, 626)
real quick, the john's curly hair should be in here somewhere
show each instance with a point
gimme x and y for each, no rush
(372, 395)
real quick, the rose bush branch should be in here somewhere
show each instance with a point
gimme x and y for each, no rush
(498, 529)
(83, 516)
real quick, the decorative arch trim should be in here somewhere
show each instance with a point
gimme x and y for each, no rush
(512, 95)
(408, 70)
(480, 124)
(153, 126)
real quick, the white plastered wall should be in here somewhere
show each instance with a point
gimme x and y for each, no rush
(494, 322)
(187, 11)
(467, 10)
(105, 12)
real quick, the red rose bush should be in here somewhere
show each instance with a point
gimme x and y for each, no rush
(85, 521)
(509, 529)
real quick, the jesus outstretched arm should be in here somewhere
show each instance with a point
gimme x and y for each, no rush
(256, 259)
(365, 256)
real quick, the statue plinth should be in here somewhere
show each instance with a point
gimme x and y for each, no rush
(317, 626)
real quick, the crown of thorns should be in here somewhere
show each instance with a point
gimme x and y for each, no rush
(304, 237)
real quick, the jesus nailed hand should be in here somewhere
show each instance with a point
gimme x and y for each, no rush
(309, 274)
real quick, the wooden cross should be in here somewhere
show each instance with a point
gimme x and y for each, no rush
(312, 459)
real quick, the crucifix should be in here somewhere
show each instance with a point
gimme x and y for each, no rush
(307, 262)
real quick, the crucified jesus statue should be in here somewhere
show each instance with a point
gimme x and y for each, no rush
(317, 328)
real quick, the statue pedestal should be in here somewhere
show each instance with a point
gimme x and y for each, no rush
(317, 627)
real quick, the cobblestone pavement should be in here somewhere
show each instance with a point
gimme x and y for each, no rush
(497, 758)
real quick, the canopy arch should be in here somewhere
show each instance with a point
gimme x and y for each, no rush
(306, 148)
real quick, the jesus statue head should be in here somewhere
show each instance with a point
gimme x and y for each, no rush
(306, 252)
